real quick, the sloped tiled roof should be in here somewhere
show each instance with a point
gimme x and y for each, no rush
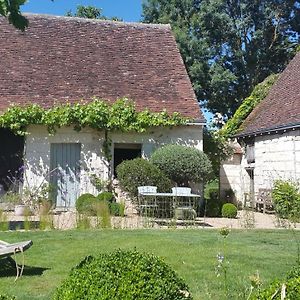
(62, 59)
(281, 108)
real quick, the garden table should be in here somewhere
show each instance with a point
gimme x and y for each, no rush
(179, 209)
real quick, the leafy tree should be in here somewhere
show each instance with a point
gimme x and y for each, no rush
(229, 46)
(217, 148)
(90, 12)
(182, 164)
(11, 10)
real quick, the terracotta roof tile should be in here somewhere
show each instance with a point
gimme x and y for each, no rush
(61, 59)
(281, 108)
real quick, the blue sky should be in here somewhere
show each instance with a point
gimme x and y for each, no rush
(128, 10)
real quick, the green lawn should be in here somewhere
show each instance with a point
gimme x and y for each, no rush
(191, 252)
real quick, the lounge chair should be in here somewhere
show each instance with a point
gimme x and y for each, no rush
(8, 250)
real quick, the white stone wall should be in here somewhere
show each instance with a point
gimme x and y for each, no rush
(277, 156)
(37, 149)
(230, 177)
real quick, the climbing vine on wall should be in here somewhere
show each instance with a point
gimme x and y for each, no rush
(98, 114)
(233, 125)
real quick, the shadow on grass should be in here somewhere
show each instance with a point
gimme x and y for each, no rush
(8, 270)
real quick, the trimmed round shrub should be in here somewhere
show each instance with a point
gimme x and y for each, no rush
(123, 275)
(138, 172)
(229, 210)
(182, 164)
(106, 196)
(84, 204)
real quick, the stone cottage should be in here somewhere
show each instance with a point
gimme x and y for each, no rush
(269, 143)
(60, 60)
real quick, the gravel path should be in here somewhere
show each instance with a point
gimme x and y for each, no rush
(245, 219)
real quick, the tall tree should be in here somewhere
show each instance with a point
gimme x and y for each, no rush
(229, 45)
(11, 10)
(90, 12)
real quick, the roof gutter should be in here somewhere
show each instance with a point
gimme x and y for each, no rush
(270, 130)
(196, 123)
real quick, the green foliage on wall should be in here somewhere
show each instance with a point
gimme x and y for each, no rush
(260, 91)
(97, 114)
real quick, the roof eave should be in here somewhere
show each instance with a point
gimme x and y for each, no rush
(270, 130)
(197, 122)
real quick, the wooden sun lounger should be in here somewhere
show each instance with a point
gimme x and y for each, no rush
(8, 250)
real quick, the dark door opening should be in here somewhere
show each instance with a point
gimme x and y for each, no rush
(11, 159)
(126, 152)
(250, 172)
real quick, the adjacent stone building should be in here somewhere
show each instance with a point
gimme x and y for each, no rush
(269, 142)
(60, 60)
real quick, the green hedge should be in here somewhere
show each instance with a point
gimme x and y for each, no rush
(123, 275)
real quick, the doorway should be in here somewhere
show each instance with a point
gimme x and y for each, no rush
(123, 151)
(250, 172)
(11, 160)
(65, 173)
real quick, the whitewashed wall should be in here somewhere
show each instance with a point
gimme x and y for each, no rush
(37, 149)
(277, 156)
(230, 177)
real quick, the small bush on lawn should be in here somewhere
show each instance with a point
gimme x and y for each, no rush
(286, 198)
(84, 204)
(182, 164)
(229, 210)
(123, 275)
(138, 172)
(291, 286)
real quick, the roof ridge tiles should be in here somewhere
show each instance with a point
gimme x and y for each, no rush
(100, 21)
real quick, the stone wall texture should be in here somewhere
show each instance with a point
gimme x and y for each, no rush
(277, 156)
(92, 160)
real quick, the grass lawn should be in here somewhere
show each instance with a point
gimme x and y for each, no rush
(191, 252)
